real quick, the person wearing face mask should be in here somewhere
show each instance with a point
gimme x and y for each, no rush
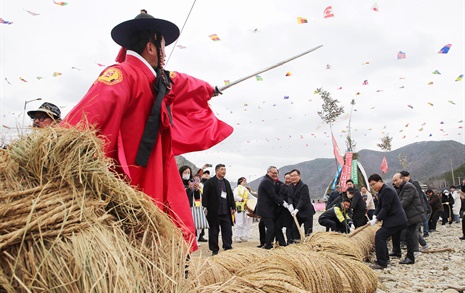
(358, 205)
(191, 187)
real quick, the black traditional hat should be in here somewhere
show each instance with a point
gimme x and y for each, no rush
(123, 32)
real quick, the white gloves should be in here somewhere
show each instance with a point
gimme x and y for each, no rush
(374, 216)
(286, 205)
(290, 208)
(294, 212)
(352, 228)
(373, 222)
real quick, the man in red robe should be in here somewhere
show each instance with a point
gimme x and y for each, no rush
(147, 115)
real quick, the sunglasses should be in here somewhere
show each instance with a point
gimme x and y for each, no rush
(40, 118)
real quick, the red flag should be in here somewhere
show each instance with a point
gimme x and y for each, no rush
(384, 166)
(328, 12)
(337, 153)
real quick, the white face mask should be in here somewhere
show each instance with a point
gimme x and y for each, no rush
(350, 195)
(186, 176)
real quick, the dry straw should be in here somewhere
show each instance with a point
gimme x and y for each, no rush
(323, 262)
(69, 224)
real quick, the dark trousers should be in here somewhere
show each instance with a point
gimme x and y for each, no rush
(463, 225)
(333, 225)
(270, 230)
(261, 231)
(381, 237)
(370, 214)
(447, 216)
(409, 239)
(359, 218)
(279, 224)
(225, 223)
(308, 227)
(434, 220)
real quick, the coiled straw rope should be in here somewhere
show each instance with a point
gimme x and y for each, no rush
(69, 224)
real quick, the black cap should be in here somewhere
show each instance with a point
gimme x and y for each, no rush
(48, 108)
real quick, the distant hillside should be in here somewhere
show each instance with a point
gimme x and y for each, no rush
(424, 160)
(181, 161)
(445, 180)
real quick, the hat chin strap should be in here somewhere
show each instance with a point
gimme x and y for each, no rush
(121, 55)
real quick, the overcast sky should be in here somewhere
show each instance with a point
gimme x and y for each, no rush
(358, 44)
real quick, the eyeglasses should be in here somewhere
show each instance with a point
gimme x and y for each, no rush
(40, 118)
(274, 173)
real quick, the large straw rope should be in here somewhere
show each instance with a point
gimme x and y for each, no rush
(324, 262)
(69, 224)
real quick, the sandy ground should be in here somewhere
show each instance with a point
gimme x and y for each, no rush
(432, 272)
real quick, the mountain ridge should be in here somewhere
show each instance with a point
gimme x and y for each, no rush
(424, 160)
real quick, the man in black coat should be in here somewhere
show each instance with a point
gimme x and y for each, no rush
(267, 203)
(357, 204)
(218, 200)
(390, 211)
(283, 216)
(335, 194)
(411, 203)
(300, 204)
(423, 198)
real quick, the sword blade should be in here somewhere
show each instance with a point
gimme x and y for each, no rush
(268, 68)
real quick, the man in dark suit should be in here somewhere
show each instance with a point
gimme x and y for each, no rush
(358, 205)
(411, 204)
(267, 203)
(299, 199)
(390, 211)
(218, 200)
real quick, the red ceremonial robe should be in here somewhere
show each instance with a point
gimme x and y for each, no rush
(119, 103)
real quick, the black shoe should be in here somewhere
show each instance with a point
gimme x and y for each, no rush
(462, 238)
(395, 254)
(377, 267)
(407, 261)
(267, 246)
(214, 253)
(201, 239)
(425, 234)
(261, 245)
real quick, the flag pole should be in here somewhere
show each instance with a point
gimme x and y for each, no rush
(268, 68)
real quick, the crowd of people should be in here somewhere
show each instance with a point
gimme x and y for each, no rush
(130, 106)
(407, 213)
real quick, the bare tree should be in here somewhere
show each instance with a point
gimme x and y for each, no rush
(386, 143)
(403, 160)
